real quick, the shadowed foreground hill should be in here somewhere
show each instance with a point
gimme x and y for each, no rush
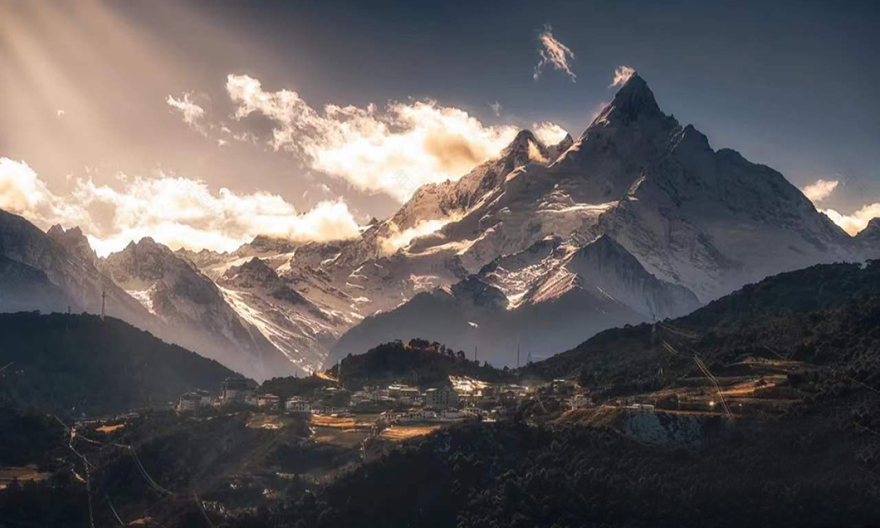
(75, 364)
(826, 315)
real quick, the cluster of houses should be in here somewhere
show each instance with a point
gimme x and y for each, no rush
(466, 398)
(442, 397)
(244, 391)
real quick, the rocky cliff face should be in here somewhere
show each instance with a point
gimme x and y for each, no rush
(75, 275)
(194, 307)
(868, 240)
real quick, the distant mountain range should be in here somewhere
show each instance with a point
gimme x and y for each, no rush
(537, 250)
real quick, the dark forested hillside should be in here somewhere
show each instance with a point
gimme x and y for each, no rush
(79, 364)
(825, 314)
(808, 470)
(418, 362)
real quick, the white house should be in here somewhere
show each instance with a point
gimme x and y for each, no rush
(297, 405)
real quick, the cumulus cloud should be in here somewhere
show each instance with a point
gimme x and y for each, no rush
(23, 193)
(549, 133)
(175, 211)
(820, 190)
(621, 75)
(856, 221)
(393, 150)
(851, 223)
(192, 113)
(554, 54)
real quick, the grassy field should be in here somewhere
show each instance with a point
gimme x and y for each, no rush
(399, 433)
(22, 474)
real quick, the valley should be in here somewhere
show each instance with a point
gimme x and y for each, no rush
(719, 389)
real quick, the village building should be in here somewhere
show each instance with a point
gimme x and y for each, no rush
(417, 416)
(269, 401)
(237, 389)
(580, 401)
(204, 395)
(452, 415)
(440, 398)
(297, 405)
(189, 402)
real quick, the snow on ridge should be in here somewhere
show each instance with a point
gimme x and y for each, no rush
(145, 297)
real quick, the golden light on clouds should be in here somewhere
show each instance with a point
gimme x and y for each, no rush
(97, 100)
(853, 222)
(393, 150)
(173, 210)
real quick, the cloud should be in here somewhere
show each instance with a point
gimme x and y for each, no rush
(856, 221)
(22, 192)
(851, 223)
(549, 133)
(399, 239)
(820, 190)
(173, 210)
(535, 154)
(192, 113)
(59, 113)
(553, 53)
(393, 150)
(496, 108)
(621, 75)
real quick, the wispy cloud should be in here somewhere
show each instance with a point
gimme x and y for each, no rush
(496, 108)
(820, 190)
(192, 113)
(173, 210)
(549, 133)
(621, 75)
(374, 148)
(554, 54)
(399, 239)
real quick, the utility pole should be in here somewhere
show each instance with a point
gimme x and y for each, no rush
(517, 355)
(103, 303)
(475, 355)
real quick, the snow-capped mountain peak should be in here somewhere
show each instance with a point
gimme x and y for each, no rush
(633, 101)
